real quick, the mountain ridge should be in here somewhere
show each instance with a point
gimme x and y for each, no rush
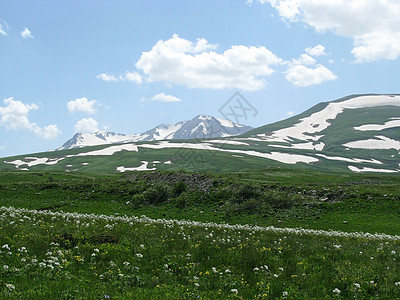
(200, 127)
(357, 133)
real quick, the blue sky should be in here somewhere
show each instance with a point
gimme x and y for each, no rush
(127, 66)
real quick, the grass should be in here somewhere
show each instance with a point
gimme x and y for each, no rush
(49, 254)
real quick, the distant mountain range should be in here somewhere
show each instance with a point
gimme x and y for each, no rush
(200, 127)
(357, 133)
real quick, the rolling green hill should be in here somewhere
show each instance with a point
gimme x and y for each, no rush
(357, 133)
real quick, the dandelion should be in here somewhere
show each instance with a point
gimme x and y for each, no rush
(336, 291)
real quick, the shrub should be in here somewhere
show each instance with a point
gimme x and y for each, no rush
(159, 193)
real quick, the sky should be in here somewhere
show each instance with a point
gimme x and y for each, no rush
(128, 66)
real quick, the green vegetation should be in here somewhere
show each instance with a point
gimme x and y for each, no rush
(47, 256)
(98, 257)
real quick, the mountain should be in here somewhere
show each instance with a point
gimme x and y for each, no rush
(357, 133)
(200, 127)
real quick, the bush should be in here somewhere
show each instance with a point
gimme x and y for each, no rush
(157, 194)
(179, 188)
(245, 192)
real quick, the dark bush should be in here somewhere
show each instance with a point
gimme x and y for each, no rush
(158, 193)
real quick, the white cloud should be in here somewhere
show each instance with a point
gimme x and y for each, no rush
(290, 113)
(161, 97)
(87, 125)
(83, 105)
(372, 24)
(14, 116)
(3, 27)
(304, 71)
(128, 76)
(316, 51)
(26, 33)
(304, 59)
(193, 64)
(132, 76)
(107, 77)
(300, 75)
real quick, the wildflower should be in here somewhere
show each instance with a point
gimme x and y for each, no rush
(10, 286)
(336, 291)
(234, 290)
(285, 294)
(139, 255)
(141, 246)
(96, 250)
(397, 283)
(227, 271)
(125, 263)
(112, 264)
(5, 267)
(196, 284)
(357, 285)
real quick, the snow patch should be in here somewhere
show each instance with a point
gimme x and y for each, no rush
(142, 167)
(353, 160)
(381, 142)
(228, 142)
(108, 151)
(355, 169)
(379, 127)
(307, 128)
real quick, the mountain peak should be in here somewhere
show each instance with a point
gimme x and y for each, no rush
(200, 127)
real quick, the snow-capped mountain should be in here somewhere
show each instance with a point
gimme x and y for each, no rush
(200, 127)
(358, 133)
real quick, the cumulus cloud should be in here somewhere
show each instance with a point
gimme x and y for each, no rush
(14, 116)
(304, 71)
(195, 65)
(131, 76)
(161, 97)
(300, 75)
(373, 25)
(26, 33)
(316, 51)
(87, 125)
(82, 105)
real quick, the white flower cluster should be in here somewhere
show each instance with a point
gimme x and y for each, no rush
(143, 219)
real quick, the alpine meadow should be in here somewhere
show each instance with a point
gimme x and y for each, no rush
(245, 149)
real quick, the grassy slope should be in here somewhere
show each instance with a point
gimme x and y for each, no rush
(310, 199)
(85, 258)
